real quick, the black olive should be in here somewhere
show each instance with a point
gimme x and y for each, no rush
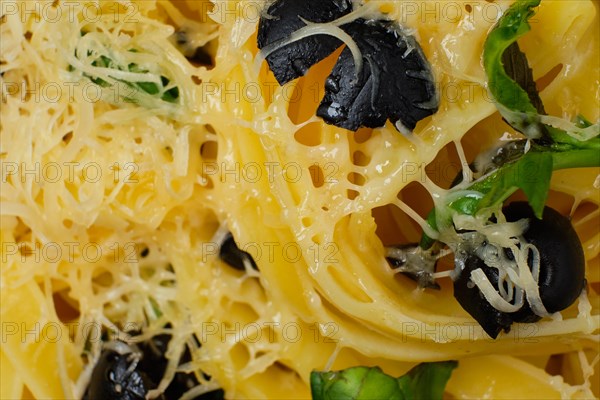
(562, 261)
(154, 363)
(284, 17)
(218, 394)
(202, 57)
(232, 255)
(472, 300)
(395, 81)
(127, 372)
(116, 376)
(561, 275)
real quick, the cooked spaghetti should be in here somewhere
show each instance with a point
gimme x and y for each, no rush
(125, 164)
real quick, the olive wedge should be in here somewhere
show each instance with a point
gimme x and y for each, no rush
(561, 274)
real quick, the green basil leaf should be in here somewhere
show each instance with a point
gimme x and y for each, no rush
(428, 380)
(516, 66)
(511, 84)
(582, 121)
(425, 381)
(507, 93)
(532, 174)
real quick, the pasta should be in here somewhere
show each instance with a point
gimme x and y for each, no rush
(114, 202)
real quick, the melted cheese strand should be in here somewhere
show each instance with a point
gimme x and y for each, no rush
(311, 30)
(417, 218)
(151, 157)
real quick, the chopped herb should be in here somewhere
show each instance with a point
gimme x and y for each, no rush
(155, 308)
(157, 91)
(425, 381)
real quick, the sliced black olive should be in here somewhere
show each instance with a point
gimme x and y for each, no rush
(202, 57)
(218, 394)
(562, 261)
(126, 372)
(472, 300)
(395, 81)
(284, 17)
(232, 255)
(561, 274)
(116, 375)
(154, 363)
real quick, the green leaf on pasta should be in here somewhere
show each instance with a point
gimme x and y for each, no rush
(425, 381)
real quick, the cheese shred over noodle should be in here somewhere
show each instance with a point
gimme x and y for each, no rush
(117, 190)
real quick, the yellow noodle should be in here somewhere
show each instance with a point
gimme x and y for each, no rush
(98, 181)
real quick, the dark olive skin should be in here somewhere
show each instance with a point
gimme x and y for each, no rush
(562, 270)
(116, 377)
(285, 17)
(394, 81)
(562, 261)
(232, 255)
(472, 301)
(130, 372)
(154, 364)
